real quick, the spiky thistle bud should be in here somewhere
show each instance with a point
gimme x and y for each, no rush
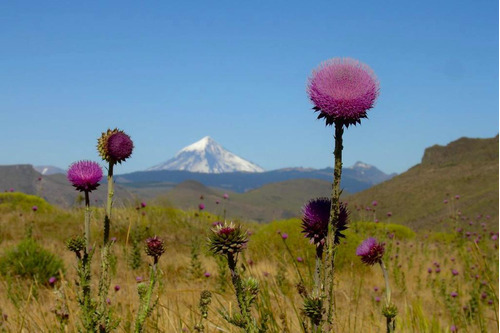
(115, 146)
(76, 244)
(390, 311)
(313, 309)
(205, 300)
(227, 239)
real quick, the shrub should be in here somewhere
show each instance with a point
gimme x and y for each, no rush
(30, 260)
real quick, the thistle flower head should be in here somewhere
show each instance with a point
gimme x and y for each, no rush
(115, 146)
(227, 239)
(155, 247)
(370, 251)
(315, 218)
(85, 175)
(343, 89)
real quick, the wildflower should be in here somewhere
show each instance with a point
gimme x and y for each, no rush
(52, 280)
(343, 90)
(115, 146)
(227, 239)
(85, 175)
(113, 239)
(155, 247)
(453, 328)
(370, 251)
(445, 201)
(375, 289)
(143, 204)
(201, 206)
(108, 301)
(226, 196)
(494, 237)
(457, 197)
(284, 235)
(34, 208)
(316, 215)
(454, 272)
(117, 288)
(300, 259)
(377, 299)
(389, 214)
(138, 279)
(438, 270)
(484, 295)
(429, 270)
(374, 203)
(453, 294)
(207, 274)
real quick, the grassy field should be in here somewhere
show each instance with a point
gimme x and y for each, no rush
(438, 279)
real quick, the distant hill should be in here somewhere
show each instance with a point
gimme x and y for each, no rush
(271, 201)
(54, 188)
(354, 179)
(465, 167)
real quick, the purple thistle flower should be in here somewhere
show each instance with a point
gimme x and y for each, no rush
(117, 288)
(438, 270)
(343, 90)
(454, 272)
(115, 146)
(316, 215)
(85, 175)
(155, 247)
(374, 203)
(370, 251)
(207, 274)
(226, 196)
(453, 294)
(138, 279)
(377, 299)
(34, 208)
(284, 235)
(457, 197)
(300, 259)
(453, 328)
(52, 280)
(445, 201)
(143, 204)
(375, 289)
(201, 206)
(429, 270)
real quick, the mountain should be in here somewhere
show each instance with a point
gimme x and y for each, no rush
(207, 156)
(354, 179)
(54, 188)
(467, 168)
(48, 170)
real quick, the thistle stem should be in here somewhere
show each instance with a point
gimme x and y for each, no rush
(387, 288)
(109, 203)
(334, 216)
(87, 221)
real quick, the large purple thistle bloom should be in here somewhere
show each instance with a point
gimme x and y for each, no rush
(316, 215)
(343, 89)
(370, 251)
(120, 146)
(85, 175)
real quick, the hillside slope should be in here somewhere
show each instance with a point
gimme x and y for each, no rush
(272, 201)
(466, 167)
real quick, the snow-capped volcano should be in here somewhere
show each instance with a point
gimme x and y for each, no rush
(207, 156)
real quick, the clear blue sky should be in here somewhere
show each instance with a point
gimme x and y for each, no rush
(171, 73)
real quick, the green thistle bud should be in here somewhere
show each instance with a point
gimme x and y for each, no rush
(76, 244)
(227, 239)
(205, 299)
(390, 311)
(313, 309)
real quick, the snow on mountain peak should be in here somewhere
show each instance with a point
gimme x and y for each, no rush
(207, 156)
